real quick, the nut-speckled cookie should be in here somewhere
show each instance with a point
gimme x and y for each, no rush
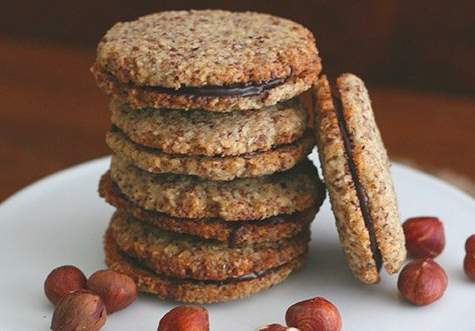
(280, 158)
(235, 234)
(199, 132)
(188, 290)
(358, 178)
(189, 257)
(210, 59)
(241, 199)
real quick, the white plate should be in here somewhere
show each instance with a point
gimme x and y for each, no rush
(60, 220)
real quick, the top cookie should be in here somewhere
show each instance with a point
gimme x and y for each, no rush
(190, 59)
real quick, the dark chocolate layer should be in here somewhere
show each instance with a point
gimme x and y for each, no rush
(137, 264)
(241, 90)
(362, 197)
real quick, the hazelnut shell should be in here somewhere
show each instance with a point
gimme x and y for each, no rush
(422, 282)
(116, 290)
(470, 245)
(79, 311)
(469, 266)
(315, 314)
(185, 318)
(425, 237)
(63, 280)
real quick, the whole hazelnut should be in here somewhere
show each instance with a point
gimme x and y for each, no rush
(470, 245)
(63, 280)
(79, 311)
(424, 237)
(315, 314)
(422, 282)
(185, 318)
(116, 290)
(276, 327)
(469, 265)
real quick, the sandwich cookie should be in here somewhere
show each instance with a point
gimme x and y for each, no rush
(189, 290)
(198, 132)
(208, 59)
(357, 174)
(188, 257)
(217, 168)
(237, 200)
(235, 234)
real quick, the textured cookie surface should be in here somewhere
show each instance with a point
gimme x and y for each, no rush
(239, 199)
(206, 48)
(188, 257)
(373, 170)
(187, 290)
(375, 181)
(280, 158)
(198, 132)
(235, 234)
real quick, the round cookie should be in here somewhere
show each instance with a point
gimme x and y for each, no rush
(235, 234)
(281, 158)
(198, 132)
(188, 257)
(188, 290)
(237, 200)
(358, 178)
(209, 59)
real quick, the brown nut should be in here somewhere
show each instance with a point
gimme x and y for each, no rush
(424, 237)
(116, 290)
(315, 314)
(422, 282)
(63, 280)
(79, 311)
(469, 266)
(276, 327)
(185, 318)
(470, 245)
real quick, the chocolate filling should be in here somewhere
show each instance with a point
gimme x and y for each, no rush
(247, 277)
(360, 192)
(241, 90)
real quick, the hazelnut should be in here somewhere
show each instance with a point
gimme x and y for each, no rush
(63, 280)
(470, 245)
(469, 265)
(275, 327)
(116, 290)
(80, 310)
(315, 314)
(422, 282)
(185, 318)
(424, 237)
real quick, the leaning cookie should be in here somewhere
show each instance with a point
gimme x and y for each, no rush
(198, 132)
(189, 290)
(188, 257)
(235, 234)
(241, 199)
(358, 178)
(209, 59)
(217, 168)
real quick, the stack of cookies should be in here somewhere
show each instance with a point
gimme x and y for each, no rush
(210, 176)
